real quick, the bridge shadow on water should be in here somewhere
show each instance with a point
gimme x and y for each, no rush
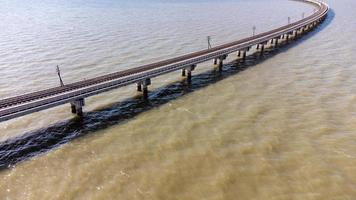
(15, 150)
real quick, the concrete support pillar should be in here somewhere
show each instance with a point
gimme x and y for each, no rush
(215, 61)
(244, 56)
(189, 75)
(189, 72)
(145, 92)
(221, 62)
(145, 84)
(238, 53)
(183, 72)
(276, 42)
(72, 107)
(287, 38)
(77, 107)
(258, 46)
(139, 86)
(220, 65)
(262, 49)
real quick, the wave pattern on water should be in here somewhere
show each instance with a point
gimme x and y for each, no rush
(282, 129)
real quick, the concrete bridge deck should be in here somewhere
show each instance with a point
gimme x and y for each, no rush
(75, 93)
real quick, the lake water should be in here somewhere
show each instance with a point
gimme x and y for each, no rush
(278, 127)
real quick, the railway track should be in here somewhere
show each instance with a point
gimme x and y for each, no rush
(32, 102)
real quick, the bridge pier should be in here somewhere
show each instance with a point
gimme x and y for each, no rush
(287, 38)
(221, 62)
(145, 84)
(189, 72)
(262, 46)
(77, 107)
(301, 31)
(276, 43)
(294, 34)
(142, 86)
(220, 65)
(183, 72)
(271, 43)
(244, 56)
(139, 87)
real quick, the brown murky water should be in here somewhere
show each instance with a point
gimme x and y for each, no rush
(281, 128)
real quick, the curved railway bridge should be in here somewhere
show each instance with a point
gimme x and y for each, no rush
(75, 93)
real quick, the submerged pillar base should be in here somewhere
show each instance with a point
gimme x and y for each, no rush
(145, 92)
(183, 72)
(244, 56)
(221, 62)
(189, 72)
(77, 107)
(139, 87)
(220, 65)
(145, 84)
